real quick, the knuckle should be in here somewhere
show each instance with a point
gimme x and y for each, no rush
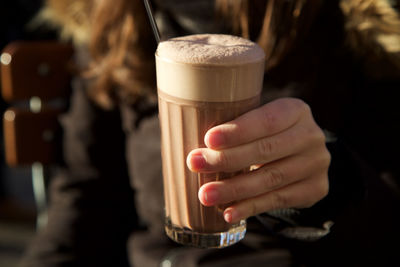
(269, 120)
(322, 159)
(235, 192)
(266, 147)
(235, 130)
(305, 108)
(299, 105)
(315, 135)
(326, 158)
(302, 106)
(272, 178)
(223, 159)
(319, 135)
(278, 201)
(254, 208)
(323, 187)
(321, 190)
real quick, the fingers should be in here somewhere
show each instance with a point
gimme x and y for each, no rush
(267, 120)
(265, 179)
(286, 144)
(290, 196)
(261, 151)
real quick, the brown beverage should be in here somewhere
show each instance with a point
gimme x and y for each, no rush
(203, 80)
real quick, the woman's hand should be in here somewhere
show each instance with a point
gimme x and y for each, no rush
(286, 150)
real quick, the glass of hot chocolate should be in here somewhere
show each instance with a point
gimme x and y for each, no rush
(203, 80)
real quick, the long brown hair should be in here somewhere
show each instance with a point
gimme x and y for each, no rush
(122, 46)
(276, 25)
(122, 50)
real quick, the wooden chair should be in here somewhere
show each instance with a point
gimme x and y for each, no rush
(35, 81)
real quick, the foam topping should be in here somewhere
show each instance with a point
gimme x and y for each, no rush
(210, 49)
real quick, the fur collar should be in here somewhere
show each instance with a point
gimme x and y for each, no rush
(372, 27)
(70, 17)
(373, 33)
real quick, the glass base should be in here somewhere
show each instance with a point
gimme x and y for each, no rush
(206, 240)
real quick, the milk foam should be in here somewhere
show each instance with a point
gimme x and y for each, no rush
(210, 67)
(210, 49)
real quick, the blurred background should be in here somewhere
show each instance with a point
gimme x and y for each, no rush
(17, 203)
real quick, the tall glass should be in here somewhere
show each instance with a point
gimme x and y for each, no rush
(197, 92)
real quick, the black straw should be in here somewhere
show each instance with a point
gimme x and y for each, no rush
(152, 21)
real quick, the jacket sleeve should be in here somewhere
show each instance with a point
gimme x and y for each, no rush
(360, 212)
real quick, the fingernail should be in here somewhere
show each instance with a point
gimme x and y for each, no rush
(210, 197)
(228, 216)
(214, 140)
(197, 162)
